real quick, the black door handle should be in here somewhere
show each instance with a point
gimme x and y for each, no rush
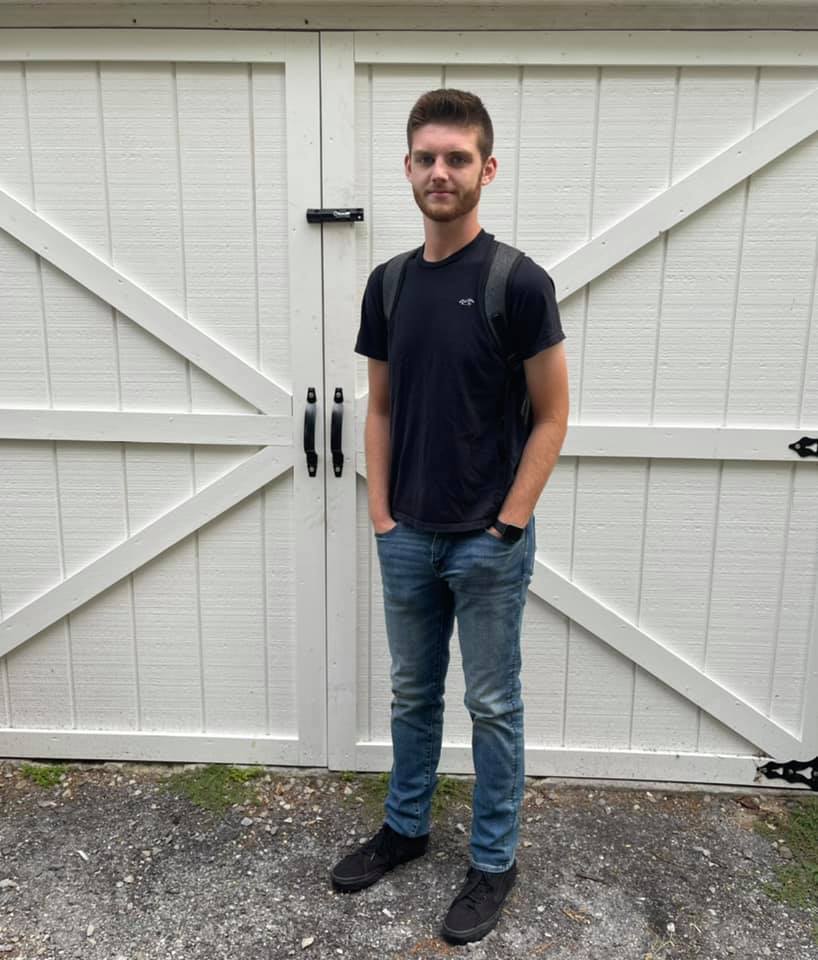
(336, 432)
(309, 432)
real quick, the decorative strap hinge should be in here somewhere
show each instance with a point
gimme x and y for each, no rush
(788, 772)
(805, 447)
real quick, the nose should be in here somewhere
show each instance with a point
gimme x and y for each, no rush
(439, 170)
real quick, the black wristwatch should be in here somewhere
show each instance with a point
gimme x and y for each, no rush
(508, 531)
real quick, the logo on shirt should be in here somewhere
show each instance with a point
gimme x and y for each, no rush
(466, 302)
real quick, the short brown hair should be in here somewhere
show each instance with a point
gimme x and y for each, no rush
(457, 108)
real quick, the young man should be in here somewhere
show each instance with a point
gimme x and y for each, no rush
(454, 472)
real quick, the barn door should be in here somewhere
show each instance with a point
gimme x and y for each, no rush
(161, 536)
(667, 181)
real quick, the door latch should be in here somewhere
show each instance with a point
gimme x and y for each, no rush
(335, 214)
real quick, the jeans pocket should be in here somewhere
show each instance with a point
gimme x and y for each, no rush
(499, 540)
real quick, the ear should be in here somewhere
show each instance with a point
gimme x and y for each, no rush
(489, 170)
(407, 165)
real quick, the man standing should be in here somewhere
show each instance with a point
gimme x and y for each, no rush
(455, 465)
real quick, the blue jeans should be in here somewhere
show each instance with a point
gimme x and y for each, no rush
(428, 580)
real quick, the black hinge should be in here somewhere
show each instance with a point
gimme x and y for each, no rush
(335, 215)
(806, 447)
(787, 771)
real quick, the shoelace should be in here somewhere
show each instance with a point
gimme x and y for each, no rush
(380, 843)
(480, 889)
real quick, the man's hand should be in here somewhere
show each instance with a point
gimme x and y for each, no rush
(384, 526)
(494, 532)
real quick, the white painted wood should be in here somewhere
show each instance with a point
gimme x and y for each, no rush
(140, 306)
(686, 197)
(715, 109)
(248, 669)
(190, 46)
(306, 326)
(55, 743)
(774, 296)
(340, 308)
(85, 583)
(671, 442)
(790, 684)
(638, 48)
(603, 622)
(591, 763)
(683, 443)
(127, 427)
(662, 15)
(680, 517)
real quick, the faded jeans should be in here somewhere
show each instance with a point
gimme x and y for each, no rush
(429, 579)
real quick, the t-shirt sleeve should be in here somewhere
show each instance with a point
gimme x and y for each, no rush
(534, 317)
(372, 340)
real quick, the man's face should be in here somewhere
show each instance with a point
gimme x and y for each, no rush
(446, 170)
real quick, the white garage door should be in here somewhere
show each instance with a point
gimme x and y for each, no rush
(162, 558)
(173, 582)
(668, 183)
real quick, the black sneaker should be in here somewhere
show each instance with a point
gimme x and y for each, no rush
(477, 908)
(386, 850)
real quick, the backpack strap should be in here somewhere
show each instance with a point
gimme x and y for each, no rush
(393, 275)
(500, 264)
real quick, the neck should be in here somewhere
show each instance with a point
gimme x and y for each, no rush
(444, 239)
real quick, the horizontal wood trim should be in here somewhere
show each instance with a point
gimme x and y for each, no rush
(661, 662)
(156, 747)
(137, 550)
(565, 15)
(129, 427)
(660, 443)
(589, 763)
(684, 443)
(589, 47)
(210, 46)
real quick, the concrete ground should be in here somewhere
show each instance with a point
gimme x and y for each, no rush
(117, 862)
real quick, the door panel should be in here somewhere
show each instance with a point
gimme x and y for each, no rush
(158, 272)
(671, 620)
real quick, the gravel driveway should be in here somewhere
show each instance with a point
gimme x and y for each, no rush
(115, 863)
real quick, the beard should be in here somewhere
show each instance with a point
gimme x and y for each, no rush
(462, 201)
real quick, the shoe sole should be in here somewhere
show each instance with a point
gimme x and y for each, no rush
(459, 937)
(352, 885)
(469, 936)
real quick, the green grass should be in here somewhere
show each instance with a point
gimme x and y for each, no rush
(214, 787)
(45, 774)
(796, 882)
(449, 793)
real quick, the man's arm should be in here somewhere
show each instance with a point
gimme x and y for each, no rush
(376, 445)
(546, 377)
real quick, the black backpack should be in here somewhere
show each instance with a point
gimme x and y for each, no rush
(501, 262)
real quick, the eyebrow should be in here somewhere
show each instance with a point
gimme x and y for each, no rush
(467, 154)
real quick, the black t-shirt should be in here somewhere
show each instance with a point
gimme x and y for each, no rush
(455, 437)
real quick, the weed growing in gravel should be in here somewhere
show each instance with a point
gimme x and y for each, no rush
(214, 787)
(449, 793)
(46, 775)
(797, 881)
